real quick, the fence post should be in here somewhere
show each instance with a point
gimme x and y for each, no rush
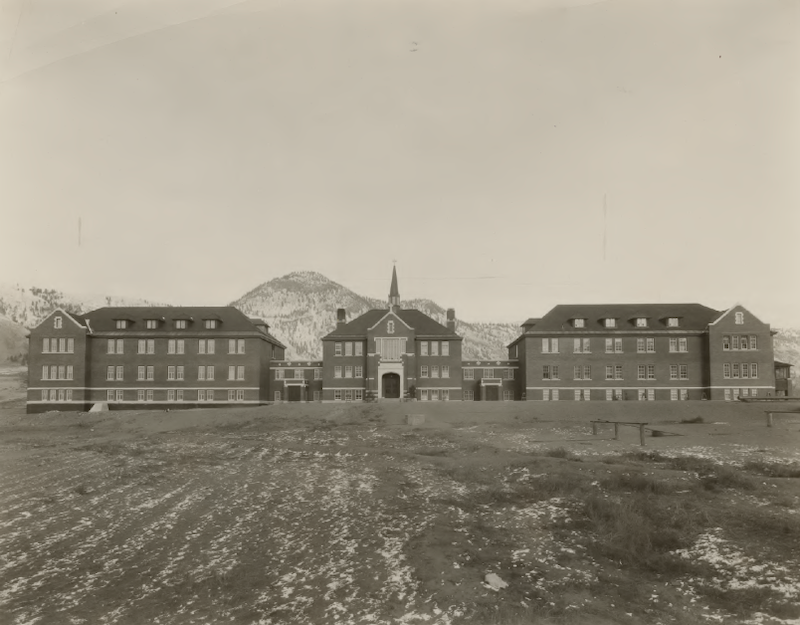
(769, 419)
(616, 431)
(641, 433)
(594, 428)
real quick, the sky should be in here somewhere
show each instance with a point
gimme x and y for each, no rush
(509, 155)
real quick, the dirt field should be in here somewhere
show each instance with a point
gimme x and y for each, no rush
(344, 514)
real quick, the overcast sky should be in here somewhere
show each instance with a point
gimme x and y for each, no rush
(207, 146)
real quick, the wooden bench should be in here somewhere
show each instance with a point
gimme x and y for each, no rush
(616, 428)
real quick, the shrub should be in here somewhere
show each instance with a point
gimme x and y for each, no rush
(697, 419)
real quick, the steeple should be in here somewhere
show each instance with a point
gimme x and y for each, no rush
(394, 293)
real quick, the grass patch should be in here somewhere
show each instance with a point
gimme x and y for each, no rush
(636, 482)
(723, 477)
(771, 469)
(558, 452)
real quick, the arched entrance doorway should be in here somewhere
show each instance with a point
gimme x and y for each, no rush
(391, 386)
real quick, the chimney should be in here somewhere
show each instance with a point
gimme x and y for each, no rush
(341, 317)
(451, 319)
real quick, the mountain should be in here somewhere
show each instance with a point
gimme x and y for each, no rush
(27, 306)
(301, 308)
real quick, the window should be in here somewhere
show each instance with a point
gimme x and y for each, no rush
(739, 318)
(423, 371)
(546, 395)
(45, 346)
(549, 346)
(641, 372)
(58, 323)
(423, 395)
(115, 346)
(434, 394)
(359, 371)
(650, 345)
(651, 372)
(240, 394)
(71, 345)
(446, 394)
(550, 372)
(726, 370)
(736, 370)
(348, 371)
(180, 324)
(150, 372)
(205, 346)
(609, 372)
(179, 372)
(122, 324)
(641, 322)
(337, 395)
(673, 345)
(753, 342)
(358, 394)
(317, 396)
(45, 372)
(151, 346)
(120, 395)
(141, 346)
(578, 323)
(445, 348)
(240, 372)
(348, 349)
(299, 374)
(469, 374)
(506, 395)
(236, 346)
(171, 372)
(171, 346)
(109, 372)
(651, 394)
(201, 395)
(581, 394)
(61, 372)
(232, 373)
(488, 373)
(445, 371)
(673, 372)
(211, 324)
(726, 343)
(683, 345)
(278, 395)
(727, 394)
(617, 372)
(735, 341)
(469, 395)
(577, 372)
(554, 394)
(110, 395)
(337, 371)
(745, 370)
(69, 394)
(231, 395)
(435, 371)
(753, 370)
(359, 346)
(510, 374)
(434, 348)
(423, 348)
(611, 323)
(672, 322)
(140, 372)
(640, 346)
(151, 324)
(317, 374)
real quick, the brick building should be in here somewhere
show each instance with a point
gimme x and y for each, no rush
(162, 357)
(644, 352)
(392, 353)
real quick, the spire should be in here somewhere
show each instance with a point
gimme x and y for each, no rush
(394, 293)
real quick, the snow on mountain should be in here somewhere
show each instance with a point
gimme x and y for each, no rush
(301, 308)
(27, 306)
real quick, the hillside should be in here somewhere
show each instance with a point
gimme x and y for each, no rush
(13, 342)
(27, 306)
(786, 345)
(301, 308)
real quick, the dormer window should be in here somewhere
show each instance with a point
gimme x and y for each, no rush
(211, 324)
(672, 322)
(180, 324)
(151, 324)
(122, 324)
(610, 322)
(739, 318)
(579, 323)
(57, 322)
(641, 322)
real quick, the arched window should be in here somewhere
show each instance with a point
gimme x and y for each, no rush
(57, 322)
(390, 327)
(739, 318)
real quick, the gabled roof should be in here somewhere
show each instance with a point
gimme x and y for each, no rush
(692, 317)
(779, 363)
(422, 324)
(231, 319)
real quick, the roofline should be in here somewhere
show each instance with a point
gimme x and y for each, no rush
(388, 312)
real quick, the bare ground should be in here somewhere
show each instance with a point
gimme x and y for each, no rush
(344, 514)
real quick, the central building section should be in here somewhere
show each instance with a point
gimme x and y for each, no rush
(391, 354)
